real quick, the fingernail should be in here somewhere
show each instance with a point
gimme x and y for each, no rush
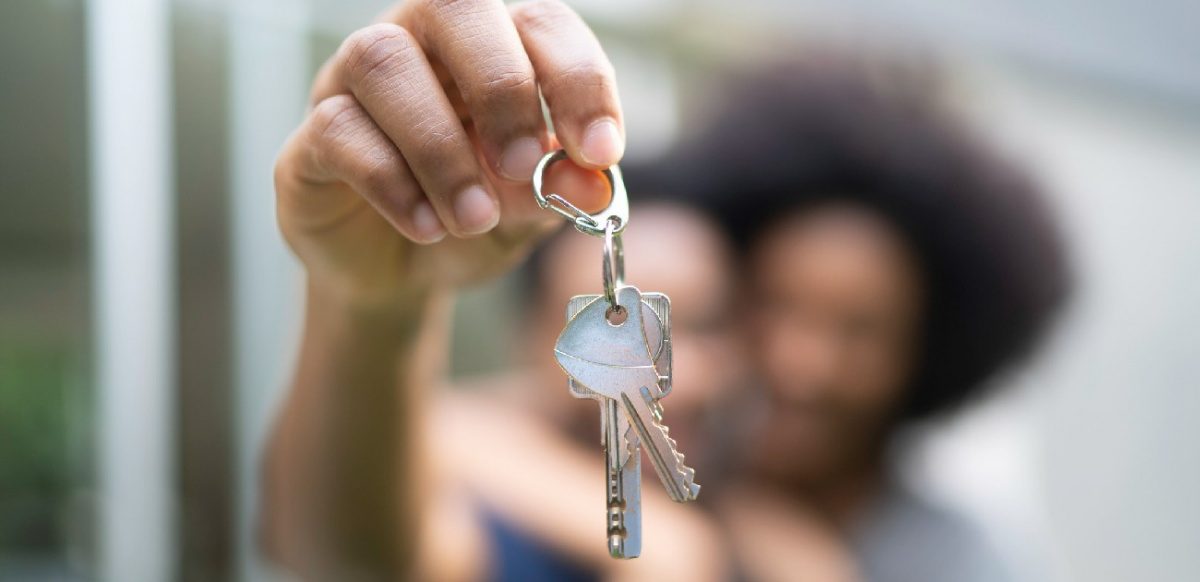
(426, 224)
(475, 211)
(519, 159)
(602, 143)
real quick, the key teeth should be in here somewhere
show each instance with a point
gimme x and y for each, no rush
(687, 473)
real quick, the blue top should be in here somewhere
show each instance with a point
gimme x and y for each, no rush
(520, 558)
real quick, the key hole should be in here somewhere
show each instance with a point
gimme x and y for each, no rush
(616, 315)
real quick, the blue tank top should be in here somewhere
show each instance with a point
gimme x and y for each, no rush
(520, 558)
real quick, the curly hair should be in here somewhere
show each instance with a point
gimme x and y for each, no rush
(838, 129)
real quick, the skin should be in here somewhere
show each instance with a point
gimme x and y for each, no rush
(836, 297)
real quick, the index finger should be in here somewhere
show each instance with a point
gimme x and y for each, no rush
(477, 43)
(577, 80)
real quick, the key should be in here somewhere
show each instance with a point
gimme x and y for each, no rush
(613, 359)
(623, 498)
(621, 444)
(619, 362)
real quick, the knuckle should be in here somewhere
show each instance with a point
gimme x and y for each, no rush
(344, 145)
(335, 117)
(542, 14)
(444, 155)
(377, 175)
(590, 75)
(439, 145)
(376, 49)
(450, 10)
(505, 85)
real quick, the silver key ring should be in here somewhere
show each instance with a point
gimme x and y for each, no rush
(593, 224)
(614, 261)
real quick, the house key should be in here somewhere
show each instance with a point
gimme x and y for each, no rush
(616, 350)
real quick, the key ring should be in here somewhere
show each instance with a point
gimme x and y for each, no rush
(613, 266)
(593, 224)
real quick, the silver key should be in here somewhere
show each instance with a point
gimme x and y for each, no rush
(623, 482)
(620, 365)
(615, 361)
(620, 441)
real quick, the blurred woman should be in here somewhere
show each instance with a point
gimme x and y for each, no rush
(893, 264)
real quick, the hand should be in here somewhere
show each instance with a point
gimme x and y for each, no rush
(412, 169)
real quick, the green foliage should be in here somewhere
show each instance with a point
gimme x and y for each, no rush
(44, 444)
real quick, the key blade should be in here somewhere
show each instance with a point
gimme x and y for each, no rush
(624, 507)
(632, 448)
(630, 545)
(628, 445)
(677, 478)
(624, 485)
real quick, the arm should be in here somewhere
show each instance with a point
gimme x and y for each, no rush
(408, 179)
(340, 475)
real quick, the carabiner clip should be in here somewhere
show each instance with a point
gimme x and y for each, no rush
(593, 224)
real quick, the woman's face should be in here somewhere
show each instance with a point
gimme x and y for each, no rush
(835, 301)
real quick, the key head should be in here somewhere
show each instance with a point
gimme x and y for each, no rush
(608, 356)
(656, 322)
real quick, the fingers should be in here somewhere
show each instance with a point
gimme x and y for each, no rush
(488, 62)
(479, 46)
(576, 79)
(346, 144)
(389, 74)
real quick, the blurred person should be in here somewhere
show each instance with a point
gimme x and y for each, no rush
(893, 265)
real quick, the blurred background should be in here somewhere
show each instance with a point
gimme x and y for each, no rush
(149, 309)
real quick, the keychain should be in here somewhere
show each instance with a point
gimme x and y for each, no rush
(616, 349)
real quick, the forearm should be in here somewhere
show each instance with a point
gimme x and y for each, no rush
(340, 494)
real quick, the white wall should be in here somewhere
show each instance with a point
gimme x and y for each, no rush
(1108, 446)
